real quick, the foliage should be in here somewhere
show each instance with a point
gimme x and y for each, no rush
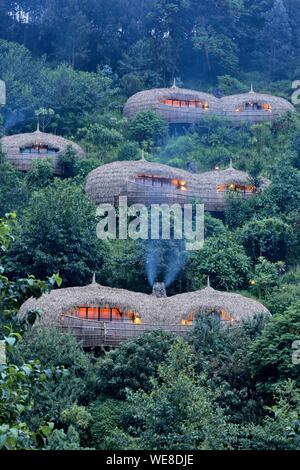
(271, 359)
(270, 237)
(147, 128)
(18, 386)
(223, 354)
(223, 260)
(13, 190)
(61, 440)
(58, 233)
(72, 65)
(40, 174)
(109, 417)
(132, 364)
(55, 348)
(177, 412)
(265, 277)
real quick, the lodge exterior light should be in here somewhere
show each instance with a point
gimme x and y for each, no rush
(137, 320)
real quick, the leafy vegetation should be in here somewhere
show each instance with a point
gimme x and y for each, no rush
(70, 66)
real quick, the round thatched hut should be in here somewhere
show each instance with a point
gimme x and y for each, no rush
(215, 188)
(182, 106)
(254, 107)
(103, 316)
(142, 182)
(148, 183)
(176, 105)
(22, 149)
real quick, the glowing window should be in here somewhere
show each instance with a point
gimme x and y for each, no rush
(157, 181)
(222, 315)
(222, 188)
(186, 103)
(106, 314)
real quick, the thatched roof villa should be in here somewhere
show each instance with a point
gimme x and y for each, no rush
(176, 105)
(149, 183)
(182, 106)
(215, 187)
(142, 182)
(254, 107)
(22, 149)
(103, 316)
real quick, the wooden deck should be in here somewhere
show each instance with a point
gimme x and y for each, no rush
(92, 333)
(23, 162)
(138, 193)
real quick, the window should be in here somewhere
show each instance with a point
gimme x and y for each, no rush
(159, 182)
(242, 188)
(220, 316)
(39, 149)
(254, 106)
(186, 103)
(106, 314)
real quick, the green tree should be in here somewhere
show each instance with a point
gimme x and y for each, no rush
(54, 349)
(132, 364)
(40, 174)
(275, 40)
(58, 233)
(222, 259)
(178, 412)
(13, 191)
(265, 277)
(271, 359)
(148, 128)
(270, 237)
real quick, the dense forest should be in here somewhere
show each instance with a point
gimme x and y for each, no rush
(71, 65)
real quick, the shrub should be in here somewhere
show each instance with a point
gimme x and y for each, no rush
(132, 364)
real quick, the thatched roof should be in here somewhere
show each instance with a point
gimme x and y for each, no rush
(106, 183)
(233, 106)
(151, 100)
(208, 182)
(12, 144)
(226, 106)
(153, 310)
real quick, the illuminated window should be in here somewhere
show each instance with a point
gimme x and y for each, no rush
(225, 316)
(106, 314)
(157, 181)
(221, 316)
(242, 188)
(266, 106)
(186, 103)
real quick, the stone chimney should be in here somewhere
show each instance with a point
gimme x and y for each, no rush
(159, 290)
